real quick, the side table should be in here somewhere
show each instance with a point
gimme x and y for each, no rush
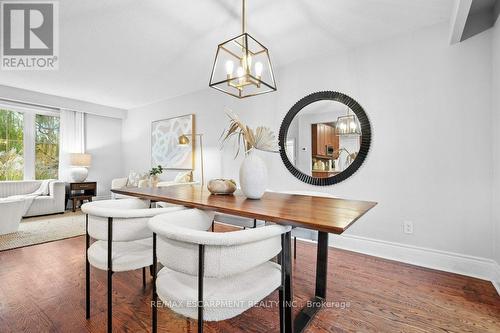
(79, 192)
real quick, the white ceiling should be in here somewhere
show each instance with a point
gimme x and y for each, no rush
(127, 53)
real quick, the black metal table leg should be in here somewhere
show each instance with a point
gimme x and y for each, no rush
(87, 268)
(286, 266)
(281, 289)
(305, 316)
(294, 247)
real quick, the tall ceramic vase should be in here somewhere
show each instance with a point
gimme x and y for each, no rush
(253, 176)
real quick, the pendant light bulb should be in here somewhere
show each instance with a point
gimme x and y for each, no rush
(240, 71)
(229, 67)
(258, 69)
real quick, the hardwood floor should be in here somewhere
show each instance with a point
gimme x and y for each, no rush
(42, 289)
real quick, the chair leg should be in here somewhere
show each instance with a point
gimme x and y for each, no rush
(281, 309)
(144, 277)
(254, 223)
(281, 300)
(213, 225)
(151, 271)
(154, 308)
(87, 268)
(110, 301)
(201, 272)
(294, 247)
(110, 274)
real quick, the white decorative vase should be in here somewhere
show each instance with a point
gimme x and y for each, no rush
(154, 180)
(79, 174)
(253, 176)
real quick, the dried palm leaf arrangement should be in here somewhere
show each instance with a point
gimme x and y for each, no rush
(262, 138)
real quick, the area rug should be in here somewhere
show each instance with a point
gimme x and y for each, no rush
(43, 229)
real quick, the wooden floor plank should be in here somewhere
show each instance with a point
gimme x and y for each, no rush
(42, 289)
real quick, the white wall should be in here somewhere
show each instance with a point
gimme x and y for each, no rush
(103, 142)
(496, 137)
(209, 115)
(427, 163)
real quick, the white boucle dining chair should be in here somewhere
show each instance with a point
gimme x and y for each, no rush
(123, 241)
(217, 272)
(233, 220)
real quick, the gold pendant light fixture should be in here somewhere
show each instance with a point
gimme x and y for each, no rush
(242, 66)
(347, 125)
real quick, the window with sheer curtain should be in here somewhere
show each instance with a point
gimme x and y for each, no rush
(29, 145)
(11, 145)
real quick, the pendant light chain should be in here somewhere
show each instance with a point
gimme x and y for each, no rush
(243, 21)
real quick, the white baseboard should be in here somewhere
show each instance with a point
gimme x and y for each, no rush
(102, 197)
(496, 279)
(481, 268)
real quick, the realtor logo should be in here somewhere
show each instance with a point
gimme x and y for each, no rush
(30, 35)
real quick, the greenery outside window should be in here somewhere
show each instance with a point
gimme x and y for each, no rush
(11, 145)
(46, 147)
(29, 144)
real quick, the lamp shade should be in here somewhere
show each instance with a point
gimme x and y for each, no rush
(80, 160)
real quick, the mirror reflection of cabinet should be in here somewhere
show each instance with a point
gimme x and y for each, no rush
(324, 140)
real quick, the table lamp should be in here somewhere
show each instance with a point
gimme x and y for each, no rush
(79, 163)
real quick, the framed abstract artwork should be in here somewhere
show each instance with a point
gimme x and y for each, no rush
(165, 148)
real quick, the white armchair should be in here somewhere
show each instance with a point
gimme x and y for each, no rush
(123, 239)
(118, 183)
(207, 268)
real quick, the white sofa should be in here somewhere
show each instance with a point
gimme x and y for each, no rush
(53, 203)
(12, 213)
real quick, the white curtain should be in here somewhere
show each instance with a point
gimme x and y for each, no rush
(71, 139)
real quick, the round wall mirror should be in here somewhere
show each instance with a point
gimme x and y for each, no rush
(324, 138)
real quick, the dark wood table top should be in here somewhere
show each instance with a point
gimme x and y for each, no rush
(310, 212)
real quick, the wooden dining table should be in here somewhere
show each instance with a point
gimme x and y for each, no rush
(323, 214)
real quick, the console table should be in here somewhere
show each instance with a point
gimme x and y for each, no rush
(79, 192)
(326, 215)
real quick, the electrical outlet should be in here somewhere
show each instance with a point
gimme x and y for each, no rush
(408, 227)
